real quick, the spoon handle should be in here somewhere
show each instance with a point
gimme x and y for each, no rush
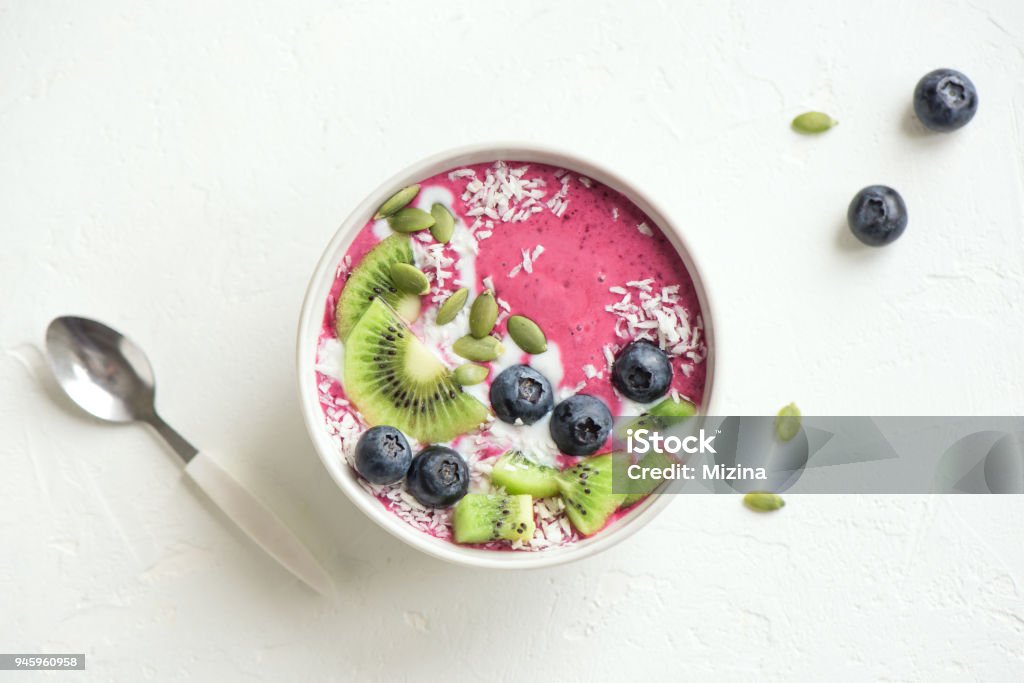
(256, 520)
(175, 440)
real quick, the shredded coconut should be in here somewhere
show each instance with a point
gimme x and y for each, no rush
(435, 264)
(558, 203)
(503, 195)
(657, 317)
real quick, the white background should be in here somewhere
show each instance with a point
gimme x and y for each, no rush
(176, 168)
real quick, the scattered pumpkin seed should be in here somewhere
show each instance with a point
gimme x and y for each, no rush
(409, 278)
(468, 374)
(451, 306)
(787, 422)
(479, 350)
(483, 314)
(396, 201)
(444, 223)
(763, 502)
(410, 219)
(813, 122)
(527, 334)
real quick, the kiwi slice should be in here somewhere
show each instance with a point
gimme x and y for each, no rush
(480, 518)
(394, 379)
(668, 413)
(641, 488)
(371, 279)
(519, 474)
(587, 491)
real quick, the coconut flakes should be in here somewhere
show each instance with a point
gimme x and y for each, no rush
(657, 317)
(503, 195)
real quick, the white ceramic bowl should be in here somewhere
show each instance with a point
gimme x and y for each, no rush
(312, 318)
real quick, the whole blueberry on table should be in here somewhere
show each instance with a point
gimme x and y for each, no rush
(641, 372)
(580, 424)
(877, 215)
(438, 477)
(945, 100)
(521, 393)
(382, 455)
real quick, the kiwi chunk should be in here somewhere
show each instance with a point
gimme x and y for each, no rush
(587, 491)
(518, 474)
(667, 413)
(371, 279)
(641, 488)
(480, 518)
(394, 379)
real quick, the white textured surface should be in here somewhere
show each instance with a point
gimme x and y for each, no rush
(176, 171)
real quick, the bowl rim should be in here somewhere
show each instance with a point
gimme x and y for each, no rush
(311, 317)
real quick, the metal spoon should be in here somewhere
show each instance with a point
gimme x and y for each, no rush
(110, 377)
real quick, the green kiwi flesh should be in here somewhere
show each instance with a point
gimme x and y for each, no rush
(587, 492)
(394, 379)
(667, 413)
(371, 279)
(641, 488)
(480, 518)
(518, 474)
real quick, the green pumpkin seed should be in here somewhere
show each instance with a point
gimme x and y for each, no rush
(763, 502)
(787, 422)
(479, 350)
(410, 220)
(444, 223)
(451, 306)
(409, 278)
(483, 314)
(527, 334)
(397, 201)
(813, 122)
(468, 374)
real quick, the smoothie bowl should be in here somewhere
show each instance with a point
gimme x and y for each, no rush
(470, 332)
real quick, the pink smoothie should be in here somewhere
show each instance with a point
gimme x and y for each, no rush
(578, 258)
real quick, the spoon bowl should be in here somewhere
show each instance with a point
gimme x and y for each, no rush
(102, 371)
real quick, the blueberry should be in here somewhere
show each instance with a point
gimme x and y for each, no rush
(877, 215)
(642, 372)
(520, 392)
(580, 424)
(383, 455)
(945, 100)
(438, 477)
